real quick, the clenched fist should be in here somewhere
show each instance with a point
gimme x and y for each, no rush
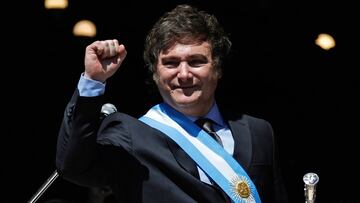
(103, 58)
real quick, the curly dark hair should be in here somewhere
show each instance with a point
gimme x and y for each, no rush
(186, 24)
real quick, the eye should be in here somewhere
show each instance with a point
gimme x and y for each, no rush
(170, 63)
(197, 62)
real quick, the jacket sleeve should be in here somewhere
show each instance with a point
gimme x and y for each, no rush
(78, 155)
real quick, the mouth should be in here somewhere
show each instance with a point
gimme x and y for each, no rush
(185, 87)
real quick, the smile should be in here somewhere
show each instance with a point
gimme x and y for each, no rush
(184, 87)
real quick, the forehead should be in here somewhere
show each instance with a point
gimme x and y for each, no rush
(178, 49)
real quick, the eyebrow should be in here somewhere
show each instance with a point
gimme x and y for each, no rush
(194, 56)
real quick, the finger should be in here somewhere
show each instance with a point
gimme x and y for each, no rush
(95, 48)
(122, 53)
(106, 46)
(110, 49)
(113, 47)
(116, 43)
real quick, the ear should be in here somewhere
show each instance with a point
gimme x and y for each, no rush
(155, 77)
(219, 75)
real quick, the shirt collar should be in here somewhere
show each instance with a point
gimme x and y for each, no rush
(213, 114)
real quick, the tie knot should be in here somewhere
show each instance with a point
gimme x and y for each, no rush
(206, 124)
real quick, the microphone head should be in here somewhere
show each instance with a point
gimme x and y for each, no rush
(311, 179)
(108, 109)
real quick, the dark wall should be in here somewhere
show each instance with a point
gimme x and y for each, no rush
(276, 72)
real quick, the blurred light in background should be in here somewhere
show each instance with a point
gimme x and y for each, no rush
(84, 28)
(325, 41)
(56, 4)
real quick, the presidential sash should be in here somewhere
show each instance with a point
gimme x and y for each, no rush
(205, 151)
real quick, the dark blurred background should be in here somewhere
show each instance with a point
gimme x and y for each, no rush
(276, 72)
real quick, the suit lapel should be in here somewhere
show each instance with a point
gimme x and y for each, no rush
(184, 160)
(242, 139)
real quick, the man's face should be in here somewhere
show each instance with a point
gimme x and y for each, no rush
(186, 77)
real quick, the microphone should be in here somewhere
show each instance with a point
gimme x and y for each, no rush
(106, 109)
(310, 180)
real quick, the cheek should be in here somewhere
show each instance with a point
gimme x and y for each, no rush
(161, 82)
(166, 76)
(211, 83)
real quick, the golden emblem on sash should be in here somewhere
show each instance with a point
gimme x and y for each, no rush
(242, 189)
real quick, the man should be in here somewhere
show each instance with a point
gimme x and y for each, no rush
(165, 156)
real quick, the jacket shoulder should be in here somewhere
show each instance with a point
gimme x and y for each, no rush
(116, 129)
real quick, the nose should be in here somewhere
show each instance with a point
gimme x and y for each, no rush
(184, 71)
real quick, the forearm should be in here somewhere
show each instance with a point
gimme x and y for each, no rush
(77, 150)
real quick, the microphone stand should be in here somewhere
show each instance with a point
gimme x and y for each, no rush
(44, 187)
(310, 180)
(106, 109)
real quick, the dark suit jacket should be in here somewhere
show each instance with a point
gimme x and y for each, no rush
(141, 164)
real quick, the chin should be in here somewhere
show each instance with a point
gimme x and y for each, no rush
(185, 101)
(182, 100)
